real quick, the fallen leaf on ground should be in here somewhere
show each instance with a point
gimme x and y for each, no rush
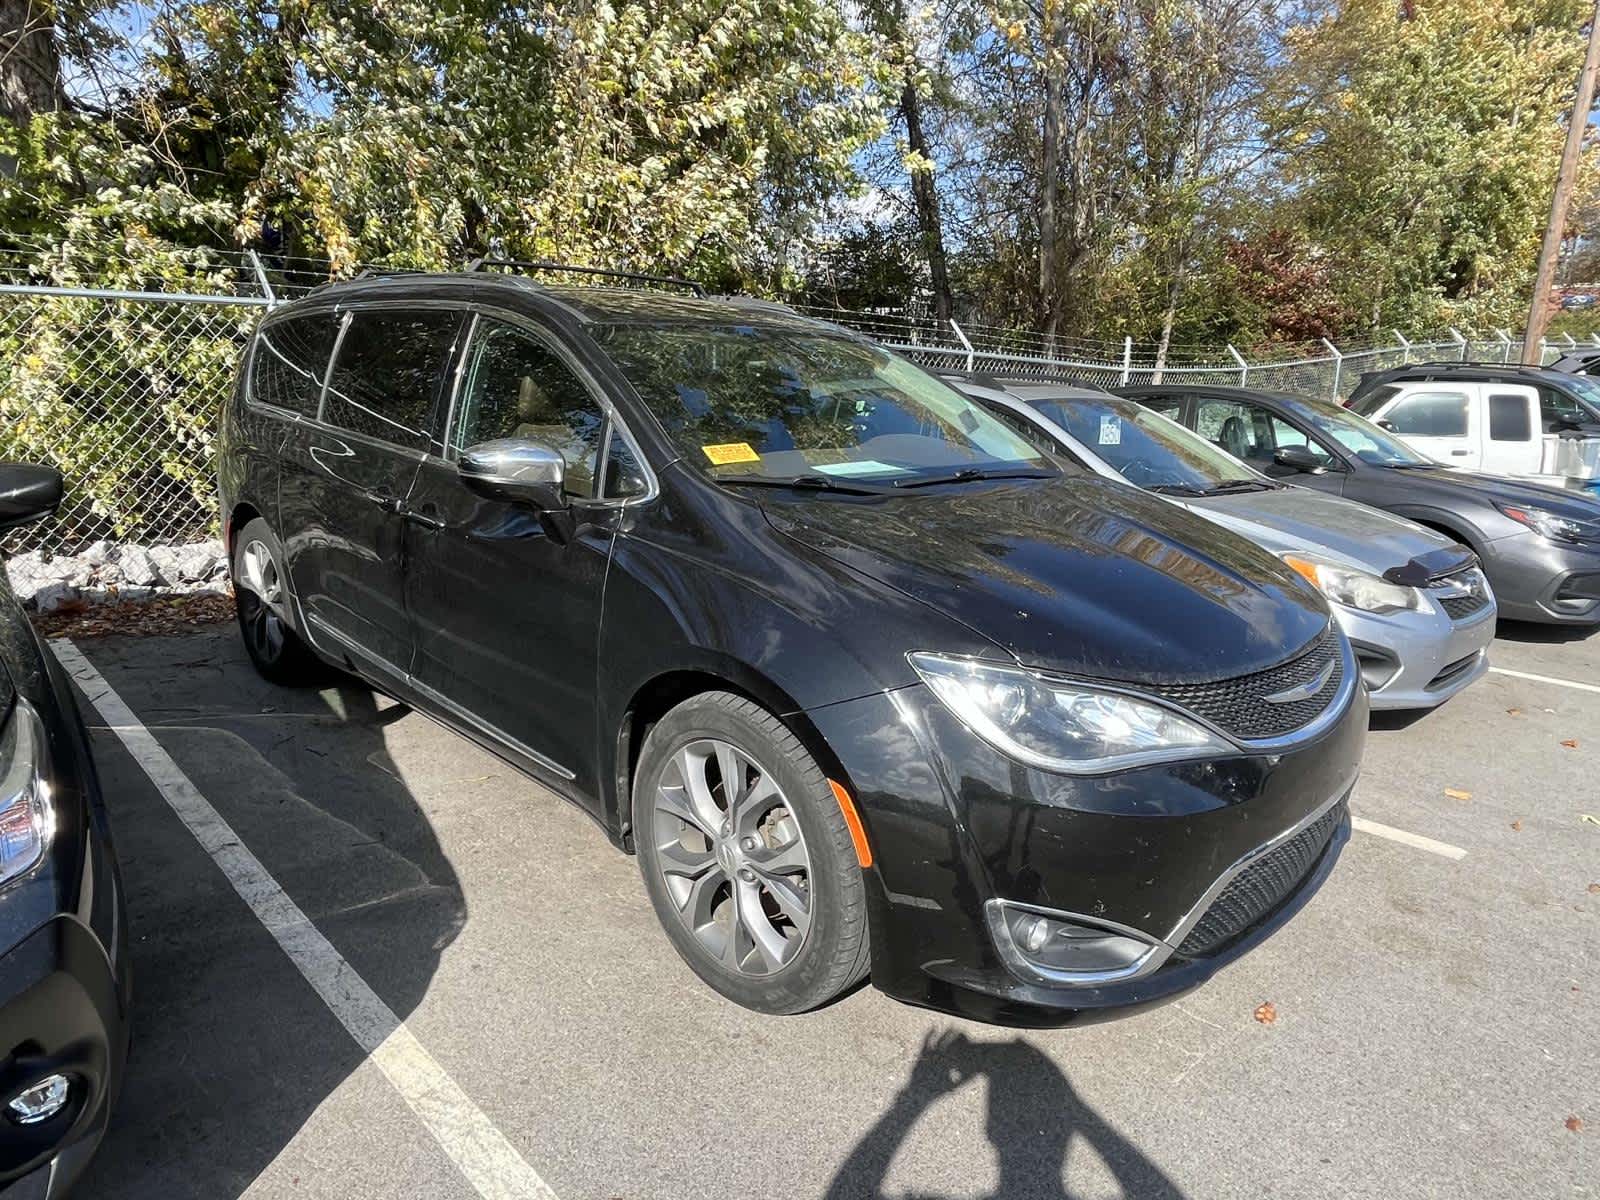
(1575, 1124)
(1594, 889)
(1570, 743)
(1589, 817)
(1266, 1012)
(164, 616)
(1457, 794)
(1513, 712)
(1516, 825)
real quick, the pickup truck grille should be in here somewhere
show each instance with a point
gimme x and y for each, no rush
(1240, 705)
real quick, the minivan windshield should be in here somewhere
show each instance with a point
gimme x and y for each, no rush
(1361, 437)
(752, 403)
(1146, 448)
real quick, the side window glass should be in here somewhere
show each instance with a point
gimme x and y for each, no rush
(389, 373)
(1509, 420)
(289, 362)
(1231, 426)
(518, 388)
(1167, 406)
(1285, 434)
(1554, 408)
(624, 476)
(1429, 414)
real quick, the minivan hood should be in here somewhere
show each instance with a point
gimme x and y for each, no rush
(1074, 574)
(1295, 518)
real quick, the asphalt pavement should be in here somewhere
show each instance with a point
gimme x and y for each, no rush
(476, 1000)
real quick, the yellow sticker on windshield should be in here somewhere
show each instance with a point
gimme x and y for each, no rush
(730, 452)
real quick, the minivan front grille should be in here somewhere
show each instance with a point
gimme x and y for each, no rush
(1241, 706)
(1262, 886)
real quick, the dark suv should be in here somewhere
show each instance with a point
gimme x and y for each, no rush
(865, 680)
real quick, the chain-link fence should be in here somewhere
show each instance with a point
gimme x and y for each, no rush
(120, 390)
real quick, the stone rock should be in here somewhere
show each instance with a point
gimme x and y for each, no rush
(73, 569)
(138, 568)
(134, 592)
(102, 552)
(165, 560)
(53, 595)
(197, 563)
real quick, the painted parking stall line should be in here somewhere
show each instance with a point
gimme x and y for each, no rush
(479, 1150)
(1576, 685)
(1415, 840)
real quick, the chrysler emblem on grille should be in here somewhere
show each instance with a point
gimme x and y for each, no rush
(1306, 690)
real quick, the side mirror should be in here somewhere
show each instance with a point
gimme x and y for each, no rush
(1299, 458)
(27, 493)
(517, 470)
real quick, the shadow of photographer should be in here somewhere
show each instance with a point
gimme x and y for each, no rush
(1034, 1118)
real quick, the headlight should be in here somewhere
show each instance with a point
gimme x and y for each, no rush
(1552, 525)
(27, 818)
(1060, 726)
(1354, 588)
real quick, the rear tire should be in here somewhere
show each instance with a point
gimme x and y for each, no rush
(261, 599)
(763, 896)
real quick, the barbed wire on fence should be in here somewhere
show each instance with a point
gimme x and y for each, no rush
(120, 388)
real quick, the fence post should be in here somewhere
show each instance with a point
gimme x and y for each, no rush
(1461, 341)
(964, 342)
(1544, 344)
(1244, 367)
(1405, 348)
(1572, 343)
(1338, 366)
(1127, 359)
(1595, 338)
(261, 277)
(1505, 345)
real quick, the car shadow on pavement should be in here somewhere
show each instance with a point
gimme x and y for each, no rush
(233, 1053)
(1554, 635)
(1034, 1121)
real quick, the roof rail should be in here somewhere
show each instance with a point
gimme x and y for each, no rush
(519, 264)
(385, 272)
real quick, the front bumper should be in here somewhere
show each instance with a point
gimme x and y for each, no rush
(1536, 579)
(61, 1012)
(1418, 659)
(955, 824)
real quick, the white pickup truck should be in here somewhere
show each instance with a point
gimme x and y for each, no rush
(1499, 426)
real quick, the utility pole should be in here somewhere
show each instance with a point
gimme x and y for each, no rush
(1577, 126)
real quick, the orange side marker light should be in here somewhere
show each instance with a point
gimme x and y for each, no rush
(852, 820)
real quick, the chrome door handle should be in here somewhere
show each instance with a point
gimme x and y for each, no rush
(384, 499)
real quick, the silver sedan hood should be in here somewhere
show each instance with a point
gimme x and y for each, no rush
(1296, 518)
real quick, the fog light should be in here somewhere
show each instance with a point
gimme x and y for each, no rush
(1056, 949)
(41, 1101)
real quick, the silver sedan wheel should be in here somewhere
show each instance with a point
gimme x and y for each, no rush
(260, 599)
(732, 857)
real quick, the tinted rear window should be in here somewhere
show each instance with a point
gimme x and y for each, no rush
(1509, 420)
(290, 359)
(389, 373)
(1429, 414)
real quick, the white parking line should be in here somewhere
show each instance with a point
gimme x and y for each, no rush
(482, 1153)
(1415, 840)
(1567, 683)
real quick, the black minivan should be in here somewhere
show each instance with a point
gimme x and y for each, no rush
(866, 681)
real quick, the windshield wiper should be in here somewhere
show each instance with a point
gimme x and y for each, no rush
(972, 475)
(813, 483)
(1175, 489)
(1239, 485)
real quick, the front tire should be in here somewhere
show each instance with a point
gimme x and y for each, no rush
(756, 885)
(261, 599)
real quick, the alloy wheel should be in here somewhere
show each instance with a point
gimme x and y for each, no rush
(732, 857)
(260, 599)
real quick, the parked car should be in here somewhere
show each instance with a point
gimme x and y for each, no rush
(1583, 361)
(1539, 546)
(63, 933)
(1413, 603)
(1507, 420)
(826, 645)
(1578, 301)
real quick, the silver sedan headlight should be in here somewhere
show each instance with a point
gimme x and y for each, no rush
(1059, 725)
(27, 817)
(1355, 588)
